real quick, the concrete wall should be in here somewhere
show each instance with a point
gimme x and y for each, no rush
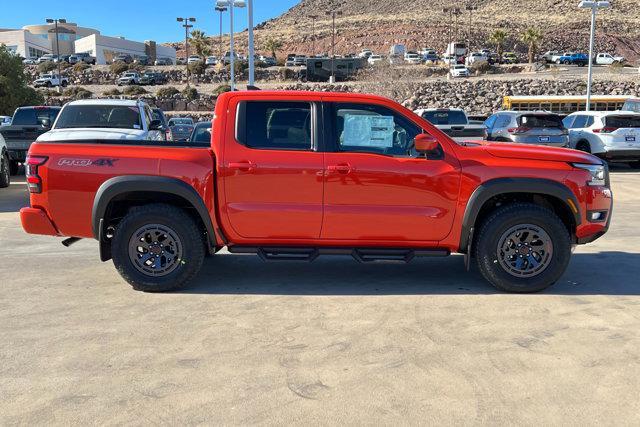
(67, 35)
(20, 41)
(106, 48)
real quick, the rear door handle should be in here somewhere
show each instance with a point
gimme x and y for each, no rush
(344, 168)
(243, 166)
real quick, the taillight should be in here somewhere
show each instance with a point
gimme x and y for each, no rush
(34, 181)
(606, 129)
(520, 129)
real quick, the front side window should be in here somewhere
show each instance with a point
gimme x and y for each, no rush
(275, 125)
(373, 128)
(99, 116)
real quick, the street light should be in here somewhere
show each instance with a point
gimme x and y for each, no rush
(470, 8)
(594, 6)
(56, 22)
(313, 34)
(333, 42)
(186, 24)
(220, 9)
(232, 5)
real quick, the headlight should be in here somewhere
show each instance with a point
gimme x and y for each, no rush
(598, 173)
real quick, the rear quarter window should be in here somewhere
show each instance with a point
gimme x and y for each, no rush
(275, 125)
(622, 121)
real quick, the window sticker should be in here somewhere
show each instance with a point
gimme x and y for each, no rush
(368, 131)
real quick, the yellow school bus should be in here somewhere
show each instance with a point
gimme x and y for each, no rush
(564, 104)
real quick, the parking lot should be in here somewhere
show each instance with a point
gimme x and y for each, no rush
(332, 341)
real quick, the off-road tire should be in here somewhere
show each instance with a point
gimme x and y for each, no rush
(504, 218)
(5, 171)
(186, 230)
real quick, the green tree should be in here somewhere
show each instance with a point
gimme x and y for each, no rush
(200, 43)
(14, 91)
(531, 38)
(273, 46)
(498, 37)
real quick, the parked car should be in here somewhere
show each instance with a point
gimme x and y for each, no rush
(632, 104)
(108, 119)
(374, 59)
(226, 58)
(454, 122)
(5, 168)
(152, 78)
(606, 59)
(476, 58)
(82, 57)
(163, 61)
(5, 121)
(387, 186)
(412, 58)
(194, 59)
(610, 135)
(26, 125)
(29, 61)
(50, 80)
(579, 59)
(551, 56)
(510, 58)
(300, 60)
(269, 61)
(49, 57)
(430, 56)
(459, 71)
(201, 134)
(210, 61)
(365, 53)
(290, 61)
(123, 57)
(527, 127)
(129, 78)
(141, 60)
(181, 128)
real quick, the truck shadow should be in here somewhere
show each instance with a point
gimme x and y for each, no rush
(603, 273)
(14, 197)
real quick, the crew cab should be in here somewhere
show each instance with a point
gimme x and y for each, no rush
(608, 59)
(454, 122)
(291, 175)
(50, 80)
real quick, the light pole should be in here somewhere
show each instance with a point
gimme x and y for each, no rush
(251, 44)
(333, 43)
(470, 8)
(456, 12)
(313, 34)
(221, 10)
(56, 22)
(232, 4)
(594, 6)
(186, 24)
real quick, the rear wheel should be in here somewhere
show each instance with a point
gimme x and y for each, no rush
(522, 247)
(157, 248)
(5, 172)
(14, 167)
(583, 146)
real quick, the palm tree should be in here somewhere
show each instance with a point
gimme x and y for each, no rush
(531, 38)
(498, 37)
(200, 43)
(273, 45)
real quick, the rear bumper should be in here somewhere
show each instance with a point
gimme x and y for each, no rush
(620, 155)
(36, 221)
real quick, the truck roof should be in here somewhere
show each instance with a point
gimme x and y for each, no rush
(301, 94)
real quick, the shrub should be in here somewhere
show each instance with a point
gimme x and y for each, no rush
(197, 68)
(167, 92)
(221, 89)
(78, 92)
(47, 93)
(46, 67)
(190, 93)
(134, 90)
(79, 67)
(119, 67)
(113, 92)
(14, 91)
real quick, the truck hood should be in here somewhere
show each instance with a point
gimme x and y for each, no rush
(536, 152)
(91, 133)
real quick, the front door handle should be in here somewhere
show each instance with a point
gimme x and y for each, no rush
(343, 168)
(243, 166)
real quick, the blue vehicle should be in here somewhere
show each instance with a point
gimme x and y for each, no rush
(579, 59)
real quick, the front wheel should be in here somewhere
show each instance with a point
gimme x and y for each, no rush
(522, 247)
(157, 248)
(5, 171)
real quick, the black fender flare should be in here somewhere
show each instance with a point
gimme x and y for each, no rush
(494, 187)
(147, 183)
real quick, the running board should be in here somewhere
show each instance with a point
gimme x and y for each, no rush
(363, 255)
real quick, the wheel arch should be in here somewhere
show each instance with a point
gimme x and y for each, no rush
(545, 192)
(116, 195)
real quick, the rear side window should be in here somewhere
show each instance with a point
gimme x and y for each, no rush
(445, 117)
(540, 121)
(275, 125)
(622, 121)
(580, 122)
(34, 116)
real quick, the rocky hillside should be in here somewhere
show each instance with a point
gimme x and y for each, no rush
(377, 24)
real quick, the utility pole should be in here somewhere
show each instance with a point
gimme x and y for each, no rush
(313, 34)
(594, 6)
(232, 4)
(220, 9)
(470, 8)
(333, 43)
(251, 44)
(456, 12)
(186, 24)
(56, 22)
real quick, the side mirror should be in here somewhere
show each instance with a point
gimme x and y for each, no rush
(46, 123)
(155, 125)
(425, 143)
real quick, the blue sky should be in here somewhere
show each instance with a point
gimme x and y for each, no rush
(135, 19)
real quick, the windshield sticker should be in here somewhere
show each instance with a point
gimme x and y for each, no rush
(368, 131)
(136, 126)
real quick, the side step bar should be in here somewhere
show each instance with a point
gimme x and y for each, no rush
(309, 254)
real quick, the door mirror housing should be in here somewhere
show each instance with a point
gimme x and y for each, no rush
(46, 123)
(425, 143)
(155, 125)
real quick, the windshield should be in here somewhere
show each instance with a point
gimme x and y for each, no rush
(622, 121)
(34, 116)
(540, 121)
(201, 134)
(446, 117)
(99, 116)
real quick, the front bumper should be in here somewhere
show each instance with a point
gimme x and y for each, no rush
(600, 200)
(36, 221)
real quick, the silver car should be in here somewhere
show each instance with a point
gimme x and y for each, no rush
(527, 127)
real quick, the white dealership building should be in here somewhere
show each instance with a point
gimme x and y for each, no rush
(106, 48)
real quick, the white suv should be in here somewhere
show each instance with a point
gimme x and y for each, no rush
(611, 135)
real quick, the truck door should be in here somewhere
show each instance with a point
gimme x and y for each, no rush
(272, 169)
(377, 188)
